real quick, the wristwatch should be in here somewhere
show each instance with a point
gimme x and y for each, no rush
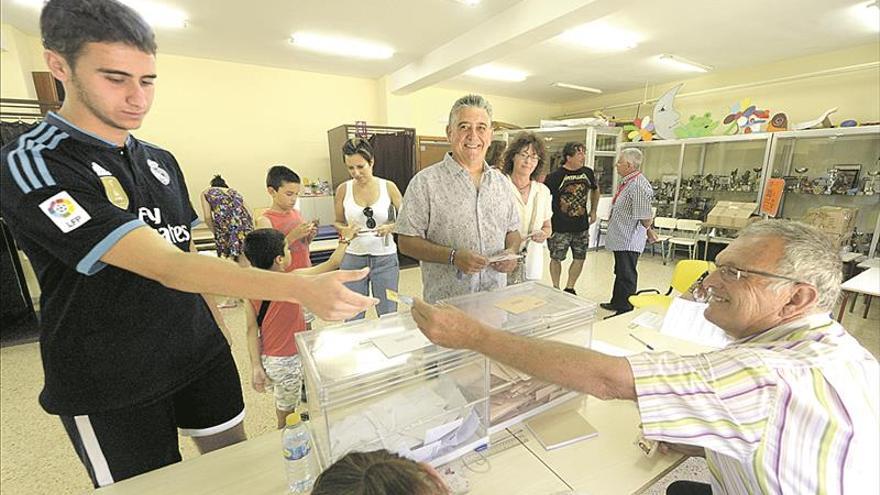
(452, 256)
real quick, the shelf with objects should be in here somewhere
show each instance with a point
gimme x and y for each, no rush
(601, 149)
(691, 177)
(829, 178)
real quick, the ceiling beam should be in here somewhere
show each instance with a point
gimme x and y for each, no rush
(523, 25)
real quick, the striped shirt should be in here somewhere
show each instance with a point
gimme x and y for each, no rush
(625, 231)
(791, 410)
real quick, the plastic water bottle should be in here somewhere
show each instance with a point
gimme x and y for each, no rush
(296, 445)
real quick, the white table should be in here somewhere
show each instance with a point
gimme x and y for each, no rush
(867, 283)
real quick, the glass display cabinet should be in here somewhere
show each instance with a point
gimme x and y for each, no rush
(690, 176)
(831, 167)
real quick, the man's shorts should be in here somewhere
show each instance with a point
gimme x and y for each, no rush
(115, 445)
(285, 378)
(559, 243)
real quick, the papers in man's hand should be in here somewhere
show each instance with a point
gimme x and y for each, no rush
(401, 343)
(647, 319)
(503, 256)
(684, 320)
(394, 296)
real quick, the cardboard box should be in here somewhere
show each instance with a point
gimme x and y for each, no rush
(731, 214)
(737, 214)
(714, 216)
(836, 220)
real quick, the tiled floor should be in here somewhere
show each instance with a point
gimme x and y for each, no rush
(36, 457)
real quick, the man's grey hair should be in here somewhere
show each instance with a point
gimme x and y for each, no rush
(809, 255)
(475, 101)
(633, 156)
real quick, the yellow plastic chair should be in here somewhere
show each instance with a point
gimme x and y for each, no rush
(685, 274)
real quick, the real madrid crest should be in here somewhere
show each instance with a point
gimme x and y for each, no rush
(112, 187)
(158, 172)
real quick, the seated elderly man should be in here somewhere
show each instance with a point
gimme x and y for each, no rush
(790, 407)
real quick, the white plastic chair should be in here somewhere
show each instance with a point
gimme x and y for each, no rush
(686, 234)
(665, 227)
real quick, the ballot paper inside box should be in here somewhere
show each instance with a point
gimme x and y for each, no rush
(535, 310)
(420, 400)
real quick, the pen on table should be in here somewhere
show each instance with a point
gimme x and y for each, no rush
(642, 342)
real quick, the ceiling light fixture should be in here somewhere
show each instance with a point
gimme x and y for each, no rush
(344, 47)
(158, 15)
(577, 87)
(868, 14)
(601, 37)
(469, 3)
(497, 73)
(155, 14)
(682, 63)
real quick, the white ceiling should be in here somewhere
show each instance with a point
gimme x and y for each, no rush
(437, 40)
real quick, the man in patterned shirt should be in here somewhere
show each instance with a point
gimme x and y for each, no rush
(458, 215)
(791, 406)
(629, 228)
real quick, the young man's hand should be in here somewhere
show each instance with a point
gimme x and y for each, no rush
(327, 297)
(259, 379)
(446, 325)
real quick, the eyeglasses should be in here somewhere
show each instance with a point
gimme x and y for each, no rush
(731, 274)
(526, 156)
(371, 222)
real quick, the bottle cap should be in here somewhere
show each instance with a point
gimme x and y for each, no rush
(292, 419)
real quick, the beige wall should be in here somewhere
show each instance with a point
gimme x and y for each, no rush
(428, 110)
(22, 54)
(856, 92)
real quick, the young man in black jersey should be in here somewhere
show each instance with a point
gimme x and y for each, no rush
(131, 352)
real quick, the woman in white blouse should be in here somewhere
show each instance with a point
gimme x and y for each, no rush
(523, 161)
(366, 207)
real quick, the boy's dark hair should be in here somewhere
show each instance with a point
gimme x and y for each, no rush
(279, 174)
(262, 246)
(219, 181)
(67, 25)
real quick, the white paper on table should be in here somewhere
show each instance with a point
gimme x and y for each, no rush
(648, 319)
(437, 432)
(610, 349)
(684, 320)
(401, 343)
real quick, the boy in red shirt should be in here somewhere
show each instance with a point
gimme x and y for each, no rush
(271, 325)
(284, 186)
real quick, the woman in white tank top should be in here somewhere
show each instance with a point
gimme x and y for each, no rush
(367, 205)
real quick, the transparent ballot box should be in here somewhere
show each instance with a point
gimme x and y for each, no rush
(534, 310)
(375, 384)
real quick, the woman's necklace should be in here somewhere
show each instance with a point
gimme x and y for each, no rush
(521, 188)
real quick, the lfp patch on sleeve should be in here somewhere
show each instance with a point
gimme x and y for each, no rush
(65, 212)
